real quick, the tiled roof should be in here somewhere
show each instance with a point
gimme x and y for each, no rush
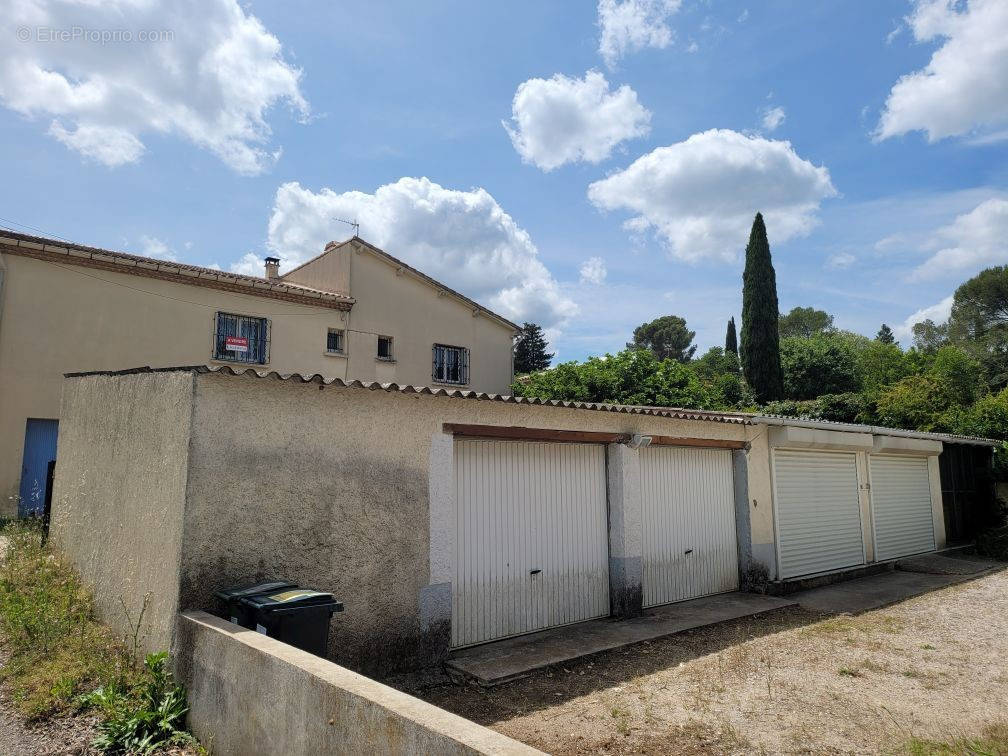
(670, 412)
(55, 250)
(677, 413)
(878, 430)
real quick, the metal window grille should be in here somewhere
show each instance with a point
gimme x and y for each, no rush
(384, 348)
(450, 364)
(250, 339)
(334, 341)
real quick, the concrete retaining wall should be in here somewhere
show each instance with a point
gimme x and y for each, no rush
(250, 694)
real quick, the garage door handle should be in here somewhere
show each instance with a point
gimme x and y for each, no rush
(689, 551)
(536, 571)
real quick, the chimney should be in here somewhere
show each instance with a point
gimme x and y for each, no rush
(272, 267)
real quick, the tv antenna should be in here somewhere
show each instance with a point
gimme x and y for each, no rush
(352, 223)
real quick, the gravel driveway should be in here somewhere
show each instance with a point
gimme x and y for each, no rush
(933, 667)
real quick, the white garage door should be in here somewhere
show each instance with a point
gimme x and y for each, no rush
(532, 543)
(688, 520)
(901, 505)
(817, 511)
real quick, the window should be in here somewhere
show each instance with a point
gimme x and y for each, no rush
(385, 348)
(451, 364)
(241, 338)
(334, 341)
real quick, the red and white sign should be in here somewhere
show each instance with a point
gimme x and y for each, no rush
(236, 343)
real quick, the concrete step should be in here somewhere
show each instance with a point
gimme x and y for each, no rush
(512, 658)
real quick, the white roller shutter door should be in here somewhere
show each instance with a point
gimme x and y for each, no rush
(690, 547)
(818, 517)
(532, 544)
(901, 505)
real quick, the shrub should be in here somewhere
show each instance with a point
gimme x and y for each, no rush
(822, 364)
(62, 659)
(850, 407)
(145, 718)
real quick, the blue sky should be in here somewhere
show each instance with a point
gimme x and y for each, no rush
(586, 166)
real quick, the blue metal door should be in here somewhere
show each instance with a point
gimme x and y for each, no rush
(39, 451)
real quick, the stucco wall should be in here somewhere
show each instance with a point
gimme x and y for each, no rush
(411, 311)
(250, 694)
(57, 319)
(330, 486)
(120, 491)
(761, 507)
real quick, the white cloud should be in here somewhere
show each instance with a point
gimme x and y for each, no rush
(841, 261)
(106, 144)
(693, 47)
(211, 78)
(593, 271)
(964, 87)
(700, 196)
(630, 25)
(974, 240)
(743, 16)
(773, 117)
(463, 238)
(566, 120)
(939, 313)
(151, 246)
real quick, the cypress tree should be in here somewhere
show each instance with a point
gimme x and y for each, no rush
(731, 340)
(885, 335)
(761, 361)
(530, 352)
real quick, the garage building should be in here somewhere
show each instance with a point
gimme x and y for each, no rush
(445, 518)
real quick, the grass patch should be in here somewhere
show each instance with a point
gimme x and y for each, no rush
(62, 660)
(993, 741)
(848, 672)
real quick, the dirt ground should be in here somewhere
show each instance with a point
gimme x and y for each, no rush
(934, 667)
(58, 735)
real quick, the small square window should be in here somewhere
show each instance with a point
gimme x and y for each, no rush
(334, 341)
(385, 348)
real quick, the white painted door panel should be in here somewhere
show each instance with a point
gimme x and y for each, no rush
(901, 505)
(817, 511)
(532, 546)
(690, 547)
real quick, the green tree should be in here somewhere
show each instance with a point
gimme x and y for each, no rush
(885, 335)
(666, 337)
(880, 364)
(934, 400)
(716, 362)
(805, 322)
(979, 321)
(962, 372)
(530, 352)
(634, 376)
(987, 417)
(825, 363)
(918, 402)
(731, 340)
(761, 362)
(929, 336)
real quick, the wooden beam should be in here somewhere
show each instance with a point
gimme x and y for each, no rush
(706, 443)
(534, 434)
(581, 437)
